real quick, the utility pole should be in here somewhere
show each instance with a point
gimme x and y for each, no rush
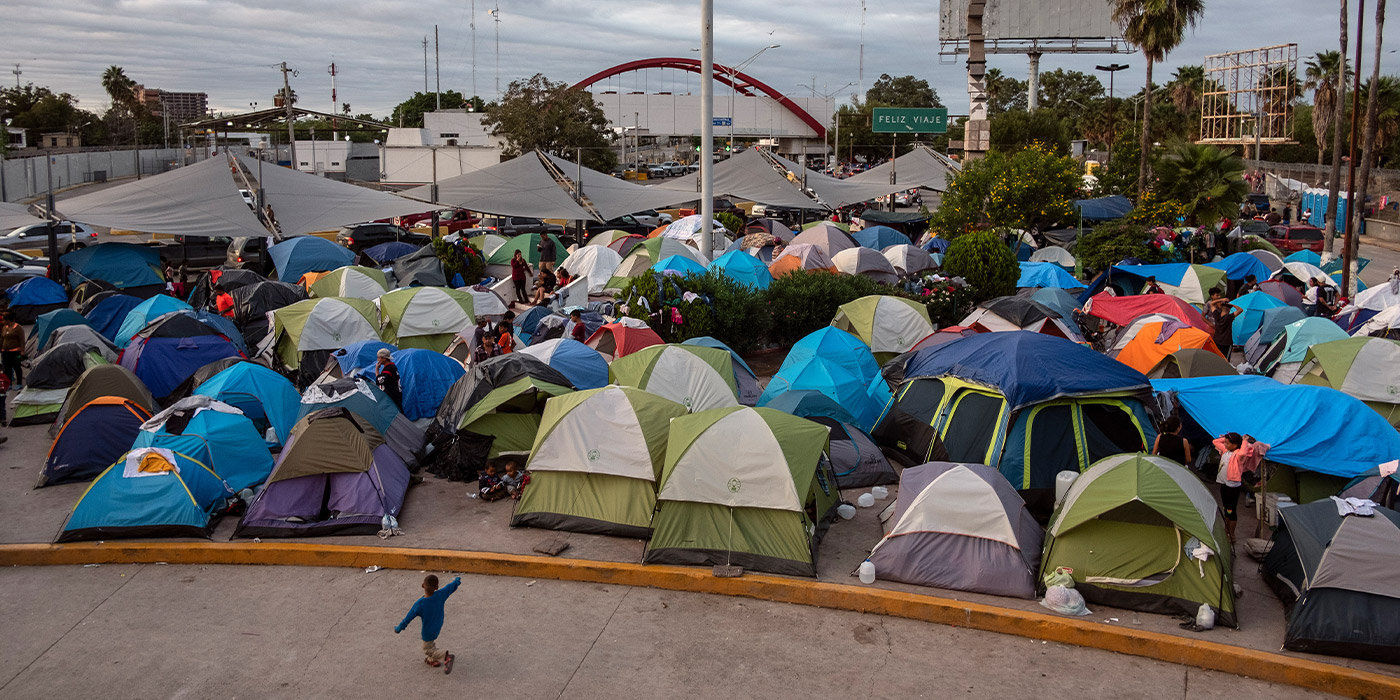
(1111, 69)
(437, 69)
(473, 28)
(707, 125)
(425, 64)
(17, 73)
(55, 265)
(335, 103)
(287, 107)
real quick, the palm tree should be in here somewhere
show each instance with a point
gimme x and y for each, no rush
(1207, 180)
(1322, 74)
(119, 87)
(1387, 122)
(1187, 85)
(1155, 27)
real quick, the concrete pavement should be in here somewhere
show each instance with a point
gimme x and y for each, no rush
(275, 632)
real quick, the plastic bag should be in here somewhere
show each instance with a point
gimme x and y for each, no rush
(1061, 576)
(1065, 601)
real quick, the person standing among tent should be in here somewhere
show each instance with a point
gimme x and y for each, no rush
(1153, 287)
(429, 609)
(1310, 300)
(1240, 457)
(1170, 444)
(12, 348)
(1220, 314)
(1251, 284)
(487, 349)
(223, 301)
(548, 252)
(505, 337)
(519, 270)
(386, 375)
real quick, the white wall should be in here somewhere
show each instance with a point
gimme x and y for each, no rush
(679, 114)
(409, 165)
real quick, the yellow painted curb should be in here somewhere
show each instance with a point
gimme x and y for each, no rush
(1275, 668)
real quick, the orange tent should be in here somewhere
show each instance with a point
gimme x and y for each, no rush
(803, 257)
(1147, 348)
(657, 231)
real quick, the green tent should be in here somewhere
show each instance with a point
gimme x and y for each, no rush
(648, 253)
(425, 317)
(1191, 362)
(889, 325)
(350, 281)
(324, 324)
(698, 377)
(595, 462)
(749, 487)
(1367, 369)
(1126, 528)
(529, 245)
(510, 413)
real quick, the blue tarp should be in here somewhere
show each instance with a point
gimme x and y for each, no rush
(1166, 273)
(839, 365)
(424, 378)
(160, 504)
(743, 268)
(108, 315)
(260, 393)
(123, 265)
(1309, 427)
(47, 323)
(227, 443)
(937, 245)
(1252, 307)
(359, 355)
(879, 237)
(528, 320)
(1027, 368)
(680, 265)
(297, 256)
(584, 366)
(145, 312)
(36, 291)
(1305, 256)
(1047, 275)
(1240, 265)
(384, 252)
(1114, 206)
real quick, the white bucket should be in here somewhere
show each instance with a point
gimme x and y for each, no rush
(846, 511)
(865, 500)
(879, 492)
(867, 572)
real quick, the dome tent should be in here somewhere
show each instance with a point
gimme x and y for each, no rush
(366, 401)
(41, 335)
(148, 492)
(582, 365)
(298, 255)
(908, 260)
(878, 238)
(97, 434)
(425, 317)
(697, 377)
(145, 312)
(1285, 355)
(321, 326)
(1013, 313)
(595, 462)
(866, 262)
(744, 377)
(34, 297)
(960, 526)
(596, 263)
(349, 281)
(1157, 339)
(736, 489)
(251, 304)
(800, 258)
(743, 268)
(215, 434)
(888, 325)
(425, 378)
(172, 347)
(108, 314)
(105, 380)
(267, 398)
(1191, 362)
(628, 335)
(1367, 369)
(837, 364)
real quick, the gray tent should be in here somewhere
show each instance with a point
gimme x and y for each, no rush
(960, 526)
(1339, 578)
(196, 200)
(855, 458)
(421, 268)
(748, 176)
(304, 203)
(921, 167)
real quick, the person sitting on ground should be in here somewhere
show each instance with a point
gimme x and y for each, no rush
(487, 349)
(544, 286)
(223, 301)
(490, 485)
(1153, 287)
(514, 480)
(576, 329)
(564, 278)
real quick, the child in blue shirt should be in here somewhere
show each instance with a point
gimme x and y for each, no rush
(429, 609)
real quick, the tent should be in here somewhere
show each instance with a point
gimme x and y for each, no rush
(48, 323)
(830, 239)
(1385, 324)
(1155, 340)
(744, 377)
(1238, 266)
(348, 281)
(648, 252)
(264, 396)
(1122, 310)
(1272, 257)
(856, 461)
(485, 377)
(508, 414)
(810, 403)
(687, 229)
(596, 263)
(1282, 291)
(1251, 306)
(1020, 314)
(888, 325)
(487, 243)
(1271, 325)
(486, 303)
(1336, 576)
(584, 367)
(123, 265)
(743, 268)
(321, 326)
(1305, 256)
(1191, 362)
(1029, 404)
(867, 262)
(909, 260)
(109, 313)
(772, 227)
(87, 294)
(385, 253)
(1062, 302)
(963, 527)
(357, 356)
(602, 239)
(694, 376)
(142, 314)
(878, 238)
(1114, 206)
(1127, 528)
(1366, 369)
(1285, 356)
(168, 350)
(148, 492)
(202, 294)
(595, 462)
(800, 257)
(104, 380)
(34, 297)
(678, 265)
(424, 376)
(743, 486)
(252, 303)
(1303, 272)
(529, 246)
(336, 476)
(204, 374)
(421, 268)
(628, 335)
(1046, 275)
(1054, 254)
(298, 255)
(425, 317)
(1191, 283)
(94, 436)
(216, 434)
(365, 400)
(838, 365)
(49, 378)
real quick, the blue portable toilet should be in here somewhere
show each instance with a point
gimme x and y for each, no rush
(424, 378)
(148, 492)
(35, 296)
(297, 256)
(143, 313)
(109, 314)
(264, 396)
(214, 433)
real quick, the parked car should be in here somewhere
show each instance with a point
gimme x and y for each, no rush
(652, 218)
(12, 274)
(674, 167)
(908, 198)
(71, 235)
(17, 258)
(1259, 203)
(451, 219)
(194, 251)
(516, 225)
(360, 236)
(247, 196)
(627, 223)
(1296, 237)
(657, 171)
(249, 253)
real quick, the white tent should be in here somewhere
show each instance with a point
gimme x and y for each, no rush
(909, 259)
(867, 262)
(1053, 254)
(595, 262)
(487, 303)
(350, 281)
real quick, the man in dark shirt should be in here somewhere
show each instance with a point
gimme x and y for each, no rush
(386, 374)
(548, 252)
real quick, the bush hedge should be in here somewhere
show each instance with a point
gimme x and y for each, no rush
(733, 222)
(985, 261)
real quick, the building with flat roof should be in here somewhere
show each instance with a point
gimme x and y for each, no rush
(181, 106)
(451, 142)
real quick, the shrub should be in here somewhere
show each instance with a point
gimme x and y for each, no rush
(731, 222)
(948, 303)
(1112, 242)
(801, 303)
(985, 262)
(736, 315)
(460, 258)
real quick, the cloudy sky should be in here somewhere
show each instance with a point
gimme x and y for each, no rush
(230, 50)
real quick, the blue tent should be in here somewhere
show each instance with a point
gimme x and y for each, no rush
(937, 245)
(143, 313)
(365, 401)
(806, 403)
(527, 320)
(1252, 307)
(1047, 275)
(744, 376)
(709, 342)
(1114, 206)
(36, 291)
(743, 268)
(1305, 256)
(1241, 265)
(109, 314)
(678, 264)
(839, 365)
(215, 434)
(148, 493)
(1272, 323)
(879, 237)
(584, 366)
(1061, 301)
(384, 252)
(123, 265)
(264, 396)
(47, 323)
(359, 355)
(1308, 427)
(299, 255)
(224, 325)
(93, 437)
(170, 349)
(424, 377)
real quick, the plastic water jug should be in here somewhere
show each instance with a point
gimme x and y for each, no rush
(867, 572)
(865, 500)
(1205, 617)
(1063, 481)
(880, 492)
(846, 511)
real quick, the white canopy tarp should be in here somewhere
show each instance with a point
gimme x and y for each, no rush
(747, 176)
(613, 197)
(920, 167)
(517, 187)
(13, 216)
(196, 200)
(305, 203)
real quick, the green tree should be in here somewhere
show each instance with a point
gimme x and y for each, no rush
(38, 110)
(1387, 148)
(538, 113)
(1323, 75)
(904, 91)
(1012, 130)
(1068, 91)
(1112, 242)
(1186, 88)
(1004, 93)
(985, 262)
(1035, 189)
(964, 202)
(1155, 27)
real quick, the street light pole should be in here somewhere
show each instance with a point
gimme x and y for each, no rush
(707, 125)
(733, 77)
(1112, 113)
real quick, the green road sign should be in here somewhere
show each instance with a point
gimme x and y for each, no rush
(903, 120)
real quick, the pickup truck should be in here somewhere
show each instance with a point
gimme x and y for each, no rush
(515, 225)
(193, 251)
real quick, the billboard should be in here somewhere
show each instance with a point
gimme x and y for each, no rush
(1020, 20)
